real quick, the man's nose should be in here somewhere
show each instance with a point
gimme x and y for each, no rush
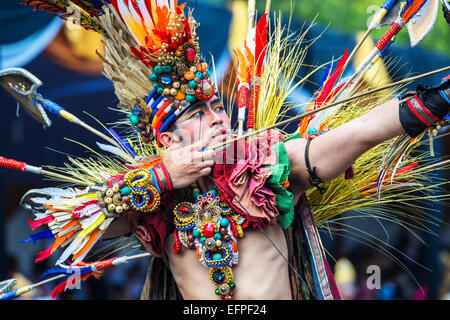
(215, 119)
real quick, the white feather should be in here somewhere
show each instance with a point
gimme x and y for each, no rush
(114, 150)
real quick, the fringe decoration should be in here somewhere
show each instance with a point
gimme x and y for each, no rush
(39, 236)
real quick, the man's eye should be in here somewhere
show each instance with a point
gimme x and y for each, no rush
(198, 114)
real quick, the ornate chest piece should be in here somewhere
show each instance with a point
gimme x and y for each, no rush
(211, 228)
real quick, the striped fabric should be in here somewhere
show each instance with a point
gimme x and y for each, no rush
(326, 288)
(420, 111)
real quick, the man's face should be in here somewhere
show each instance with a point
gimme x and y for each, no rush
(204, 120)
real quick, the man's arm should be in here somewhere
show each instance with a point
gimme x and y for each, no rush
(335, 151)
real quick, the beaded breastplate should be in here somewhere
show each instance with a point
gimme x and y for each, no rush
(211, 228)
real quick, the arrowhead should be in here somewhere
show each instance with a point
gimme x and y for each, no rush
(423, 22)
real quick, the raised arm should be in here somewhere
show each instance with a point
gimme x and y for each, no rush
(335, 151)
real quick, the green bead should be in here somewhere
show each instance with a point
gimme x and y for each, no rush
(202, 240)
(196, 233)
(167, 68)
(134, 119)
(232, 286)
(125, 191)
(192, 84)
(160, 90)
(217, 236)
(218, 292)
(217, 256)
(153, 77)
(158, 69)
(224, 222)
(156, 85)
(190, 98)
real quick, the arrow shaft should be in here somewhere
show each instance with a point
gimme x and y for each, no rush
(301, 116)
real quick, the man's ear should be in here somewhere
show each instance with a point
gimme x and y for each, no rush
(142, 234)
(167, 139)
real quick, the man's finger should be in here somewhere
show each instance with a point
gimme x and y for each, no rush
(203, 156)
(199, 145)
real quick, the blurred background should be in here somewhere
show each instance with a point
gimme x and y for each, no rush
(62, 55)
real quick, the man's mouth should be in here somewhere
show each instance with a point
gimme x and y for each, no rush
(219, 133)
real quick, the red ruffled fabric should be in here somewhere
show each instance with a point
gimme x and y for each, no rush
(240, 174)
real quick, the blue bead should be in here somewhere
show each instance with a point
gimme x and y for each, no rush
(219, 276)
(217, 236)
(202, 240)
(167, 68)
(136, 111)
(312, 131)
(160, 90)
(166, 80)
(217, 256)
(156, 85)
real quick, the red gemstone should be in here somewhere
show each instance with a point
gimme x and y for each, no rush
(184, 209)
(190, 55)
(208, 230)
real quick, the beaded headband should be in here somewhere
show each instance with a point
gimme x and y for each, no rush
(169, 47)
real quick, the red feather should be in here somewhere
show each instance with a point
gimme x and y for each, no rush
(58, 289)
(39, 222)
(331, 81)
(260, 43)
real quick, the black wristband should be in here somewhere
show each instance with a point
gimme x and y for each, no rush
(314, 180)
(424, 108)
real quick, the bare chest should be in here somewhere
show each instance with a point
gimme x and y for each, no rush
(260, 274)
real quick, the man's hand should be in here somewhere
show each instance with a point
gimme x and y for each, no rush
(186, 164)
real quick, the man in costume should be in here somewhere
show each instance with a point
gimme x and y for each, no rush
(196, 192)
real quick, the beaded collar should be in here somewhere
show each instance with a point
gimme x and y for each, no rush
(212, 228)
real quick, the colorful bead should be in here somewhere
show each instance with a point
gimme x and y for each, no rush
(189, 75)
(167, 68)
(134, 119)
(224, 222)
(219, 276)
(158, 69)
(192, 84)
(125, 191)
(153, 77)
(166, 80)
(196, 233)
(217, 256)
(190, 98)
(199, 75)
(217, 236)
(208, 230)
(190, 55)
